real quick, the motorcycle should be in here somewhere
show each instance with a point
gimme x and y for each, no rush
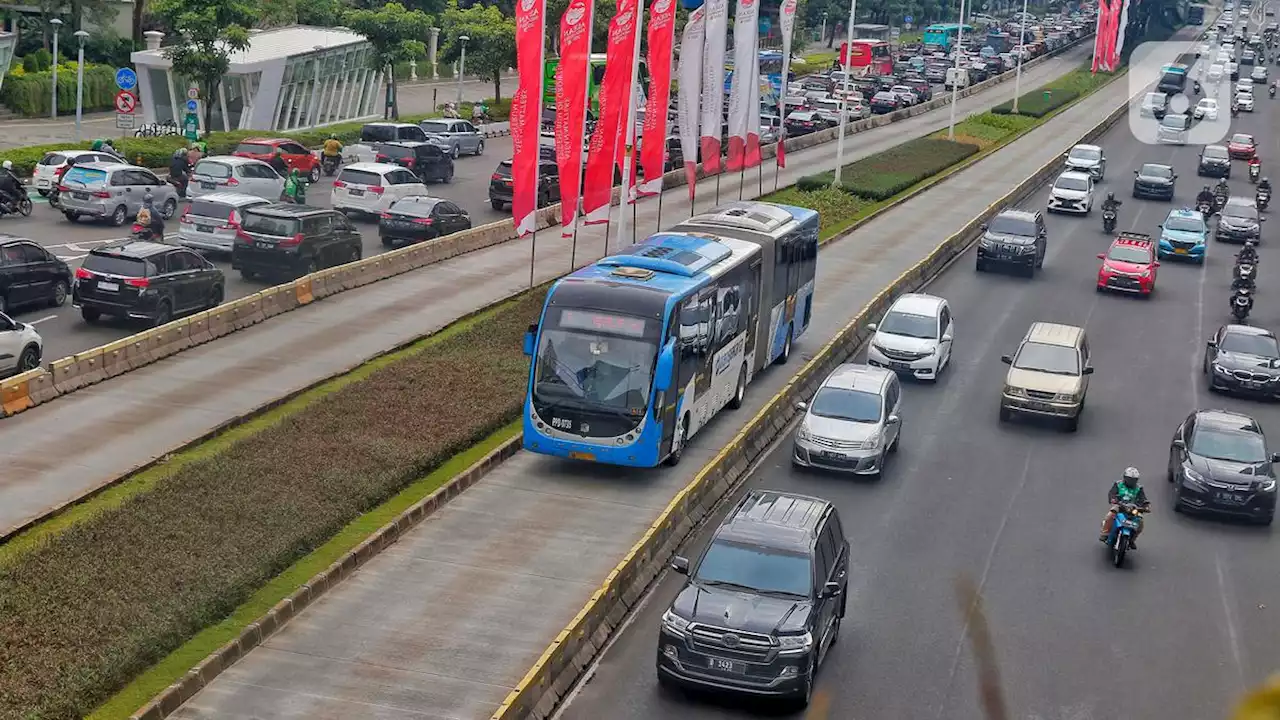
(1262, 198)
(1241, 303)
(1272, 91)
(330, 164)
(1244, 277)
(1255, 171)
(1219, 201)
(20, 206)
(1108, 221)
(1120, 540)
(1205, 208)
(1235, 111)
(1196, 86)
(179, 183)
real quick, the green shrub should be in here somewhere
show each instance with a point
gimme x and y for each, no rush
(43, 60)
(29, 94)
(809, 183)
(1036, 104)
(86, 612)
(885, 174)
(31, 63)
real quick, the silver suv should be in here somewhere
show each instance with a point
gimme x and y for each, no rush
(852, 423)
(455, 136)
(114, 192)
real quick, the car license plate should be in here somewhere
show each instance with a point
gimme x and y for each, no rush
(108, 286)
(829, 455)
(264, 245)
(204, 228)
(207, 185)
(1180, 251)
(1226, 497)
(899, 366)
(726, 665)
(357, 193)
(80, 195)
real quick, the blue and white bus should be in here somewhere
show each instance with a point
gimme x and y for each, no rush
(633, 355)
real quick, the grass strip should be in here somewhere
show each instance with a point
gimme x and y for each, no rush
(198, 550)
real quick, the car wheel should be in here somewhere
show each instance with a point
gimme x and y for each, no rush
(168, 209)
(91, 315)
(980, 266)
(215, 297)
(164, 313)
(354, 255)
(59, 295)
(1266, 521)
(786, 349)
(456, 152)
(247, 274)
(1073, 424)
(118, 217)
(496, 204)
(388, 242)
(480, 148)
(1005, 414)
(448, 178)
(30, 359)
(43, 193)
(314, 175)
(805, 696)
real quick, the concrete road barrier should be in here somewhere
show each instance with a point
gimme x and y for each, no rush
(15, 392)
(42, 388)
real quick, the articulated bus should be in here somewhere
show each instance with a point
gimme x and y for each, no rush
(633, 355)
(944, 35)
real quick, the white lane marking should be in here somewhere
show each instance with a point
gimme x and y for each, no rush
(46, 317)
(1233, 635)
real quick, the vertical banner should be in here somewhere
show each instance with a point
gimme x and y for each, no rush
(615, 91)
(571, 106)
(526, 113)
(713, 83)
(753, 157)
(1121, 27)
(788, 23)
(690, 92)
(746, 55)
(653, 146)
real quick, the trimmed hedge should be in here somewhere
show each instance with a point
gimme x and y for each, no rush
(885, 174)
(83, 615)
(1064, 90)
(29, 93)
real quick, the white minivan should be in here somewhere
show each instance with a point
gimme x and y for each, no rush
(371, 188)
(1216, 72)
(956, 78)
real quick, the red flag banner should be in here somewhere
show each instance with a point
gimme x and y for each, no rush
(571, 106)
(526, 113)
(690, 93)
(615, 90)
(653, 146)
(746, 39)
(717, 24)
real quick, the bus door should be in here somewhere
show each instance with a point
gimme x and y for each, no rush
(664, 403)
(794, 255)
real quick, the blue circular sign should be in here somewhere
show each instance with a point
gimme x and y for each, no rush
(126, 79)
(191, 106)
(908, 19)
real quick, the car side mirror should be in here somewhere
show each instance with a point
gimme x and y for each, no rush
(1087, 371)
(1212, 344)
(802, 406)
(1180, 444)
(894, 419)
(830, 590)
(1135, 172)
(1275, 457)
(1102, 256)
(871, 327)
(680, 565)
(1006, 359)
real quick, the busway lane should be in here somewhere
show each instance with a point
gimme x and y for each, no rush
(1017, 507)
(65, 333)
(460, 608)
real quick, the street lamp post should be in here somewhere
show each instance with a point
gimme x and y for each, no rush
(955, 82)
(848, 71)
(81, 36)
(1017, 78)
(53, 109)
(822, 36)
(462, 67)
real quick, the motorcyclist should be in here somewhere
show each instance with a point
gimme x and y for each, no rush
(1205, 196)
(333, 146)
(1264, 185)
(1248, 253)
(194, 153)
(1222, 188)
(1255, 163)
(179, 164)
(1111, 203)
(152, 219)
(295, 188)
(1127, 490)
(478, 112)
(1244, 293)
(10, 186)
(278, 164)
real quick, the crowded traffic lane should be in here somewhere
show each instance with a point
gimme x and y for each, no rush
(1017, 507)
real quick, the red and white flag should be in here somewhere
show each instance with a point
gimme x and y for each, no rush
(691, 42)
(653, 145)
(717, 19)
(788, 23)
(571, 106)
(615, 93)
(746, 61)
(526, 113)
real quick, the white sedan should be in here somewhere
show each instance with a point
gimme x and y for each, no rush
(1245, 101)
(1206, 109)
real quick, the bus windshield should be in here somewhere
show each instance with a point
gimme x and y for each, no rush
(594, 361)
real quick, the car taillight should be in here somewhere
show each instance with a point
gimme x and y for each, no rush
(291, 242)
(380, 157)
(82, 274)
(385, 216)
(339, 184)
(241, 237)
(232, 182)
(408, 162)
(102, 194)
(232, 223)
(377, 190)
(137, 282)
(495, 176)
(63, 188)
(423, 221)
(185, 212)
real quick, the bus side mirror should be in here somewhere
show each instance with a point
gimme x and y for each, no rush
(662, 371)
(530, 337)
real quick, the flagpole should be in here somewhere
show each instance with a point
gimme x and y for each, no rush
(660, 211)
(573, 252)
(533, 251)
(628, 151)
(848, 72)
(955, 84)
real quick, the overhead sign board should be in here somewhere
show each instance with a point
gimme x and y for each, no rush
(126, 102)
(126, 79)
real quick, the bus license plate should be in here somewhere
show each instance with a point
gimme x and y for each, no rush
(726, 665)
(581, 456)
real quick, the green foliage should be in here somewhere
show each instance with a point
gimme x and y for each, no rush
(1061, 92)
(30, 93)
(42, 60)
(99, 603)
(491, 44)
(809, 183)
(210, 30)
(836, 208)
(30, 63)
(885, 174)
(395, 33)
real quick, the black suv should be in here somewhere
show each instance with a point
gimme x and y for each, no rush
(763, 603)
(426, 160)
(501, 188)
(31, 275)
(1016, 238)
(293, 240)
(1215, 162)
(145, 281)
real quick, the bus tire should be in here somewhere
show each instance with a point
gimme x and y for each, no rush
(739, 392)
(786, 349)
(674, 458)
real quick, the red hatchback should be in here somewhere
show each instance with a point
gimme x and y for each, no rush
(295, 155)
(1242, 146)
(1129, 266)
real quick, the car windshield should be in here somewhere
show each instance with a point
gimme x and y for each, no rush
(84, 177)
(1006, 225)
(592, 369)
(1215, 152)
(436, 126)
(1176, 122)
(1184, 224)
(1072, 183)
(755, 568)
(208, 209)
(209, 168)
(909, 325)
(1239, 212)
(273, 226)
(254, 149)
(398, 152)
(1056, 359)
(1217, 443)
(1159, 171)
(118, 265)
(1155, 99)
(843, 404)
(1250, 344)
(360, 177)
(415, 206)
(1242, 139)
(1089, 154)
(1129, 254)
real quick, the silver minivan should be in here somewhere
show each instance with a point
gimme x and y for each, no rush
(212, 220)
(225, 173)
(114, 192)
(455, 136)
(852, 422)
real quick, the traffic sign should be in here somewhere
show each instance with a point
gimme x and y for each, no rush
(908, 19)
(191, 127)
(191, 106)
(193, 93)
(126, 79)
(124, 121)
(126, 102)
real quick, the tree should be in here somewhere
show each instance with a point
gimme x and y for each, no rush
(491, 43)
(394, 33)
(209, 31)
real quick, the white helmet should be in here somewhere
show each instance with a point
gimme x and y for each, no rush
(8, 164)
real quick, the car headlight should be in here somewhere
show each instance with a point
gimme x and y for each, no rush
(986, 243)
(795, 643)
(1065, 397)
(804, 434)
(1220, 370)
(674, 624)
(1193, 478)
(1146, 273)
(1011, 390)
(1267, 486)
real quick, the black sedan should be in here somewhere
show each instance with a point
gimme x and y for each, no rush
(1215, 162)
(1243, 359)
(803, 122)
(418, 218)
(885, 102)
(1154, 181)
(1218, 462)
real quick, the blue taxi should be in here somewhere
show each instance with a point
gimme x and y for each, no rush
(1184, 234)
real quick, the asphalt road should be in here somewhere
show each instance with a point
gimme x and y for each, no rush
(1016, 507)
(65, 333)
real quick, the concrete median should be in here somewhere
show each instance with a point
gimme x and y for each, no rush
(169, 339)
(221, 321)
(302, 291)
(15, 392)
(247, 311)
(42, 388)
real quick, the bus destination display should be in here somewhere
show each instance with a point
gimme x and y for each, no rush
(601, 322)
